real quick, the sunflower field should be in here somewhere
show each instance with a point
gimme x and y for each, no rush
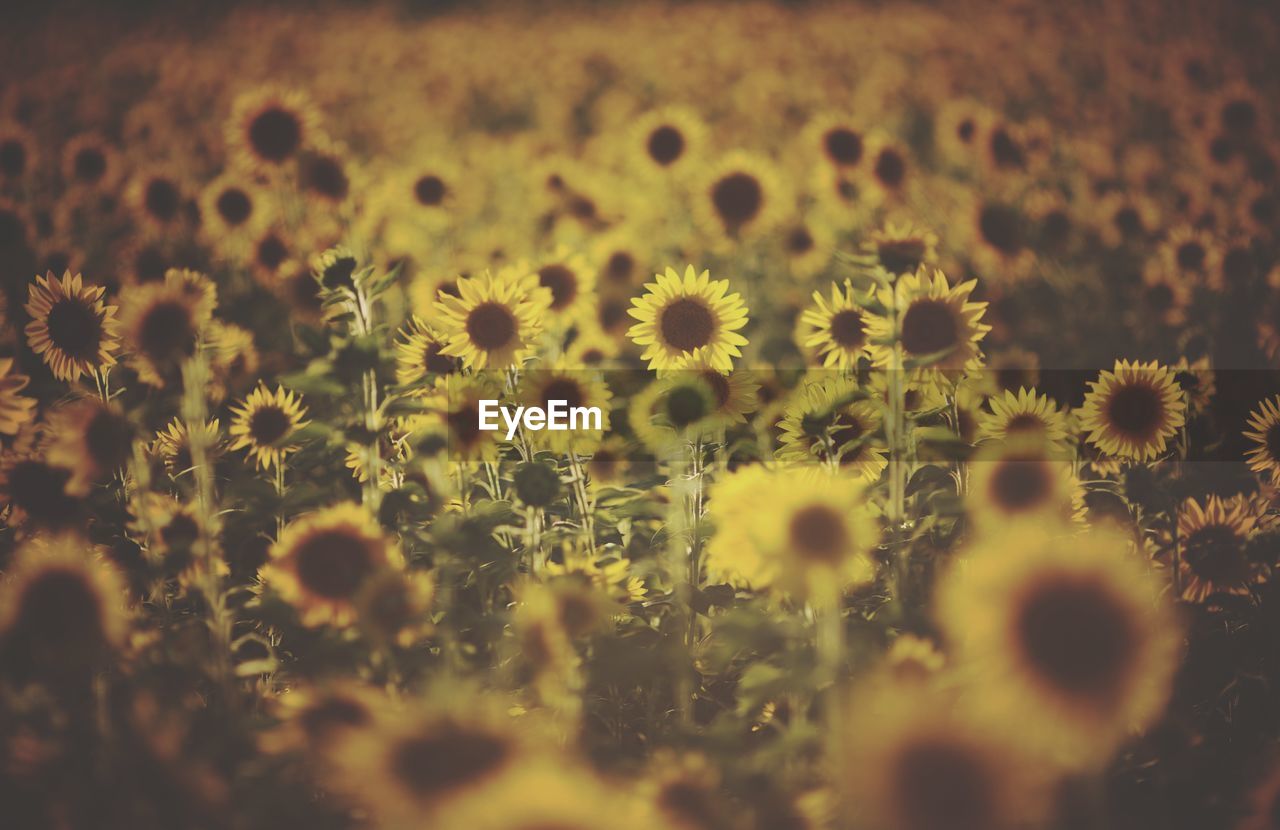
(928, 364)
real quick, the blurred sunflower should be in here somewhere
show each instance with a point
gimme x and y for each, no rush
(1023, 479)
(35, 491)
(269, 127)
(1265, 425)
(157, 199)
(1068, 637)
(901, 248)
(676, 409)
(666, 141)
(174, 449)
(1133, 410)
(740, 196)
(90, 438)
(492, 322)
(322, 562)
(71, 327)
(1026, 412)
(681, 315)
(937, 323)
(265, 424)
(394, 606)
(1209, 550)
(686, 792)
(320, 719)
(577, 387)
(15, 409)
(832, 421)
(19, 155)
(452, 412)
(734, 393)
(234, 211)
(807, 245)
(89, 162)
(163, 323)
(835, 332)
(171, 530)
(567, 282)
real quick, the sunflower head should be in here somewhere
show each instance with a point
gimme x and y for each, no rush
(1264, 435)
(270, 127)
(680, 315)
(832, 422)
(835, 331)
(1133, 410)
(939, 328)
(92, 439)
(492, 322)
(1023, 479)
(265, 424)
(163, 323)
(1210, 547)
(72, 328)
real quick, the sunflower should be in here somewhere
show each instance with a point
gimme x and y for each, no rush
(265, 424)
(1193, 255)
(493, 322)
(577, 387)
(1163, 295)
(666, 141)
(15, 409)
(620, 259)
(394, 606)
(89, 162)
(452, 412)
(18, 152)
(1210, 547)
(831, 420)
(798, 531)
(322, 561)
(1132, 411)
(837, 139)
(321, 719)
(1198, 382)
(35, 490)
(234, 211)
(685, 791)
(1022, 479)
(1265, 423)
(62, 609)
(734, 393)
(233, 358)
(807, 246)
(676, 409)
(71, 327)
(740, 196)
(836, 332)
(565, 284)
(269, 127)
(326, 175)
(550, 793)
(902, 247)
(936, 323)
(887, 173)
(269, 252)
(957, 129)
(158, 200)
(92, 439)
(172, 446)
(1027, 412)
(1069, 637)
(681, 315)
(172, 530)
(420, 353)
(163, 323)
(1002, 240)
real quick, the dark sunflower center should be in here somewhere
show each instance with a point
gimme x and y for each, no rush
(1024, 422)
(1001, 227)
(891, 169)
(847, 329)
(447, 759)
(620, 267)
(1263, 209)
(612, 314)
(234, 206)
(1160, 296)
(429, 190)
(939, 784)
(666, 145)
(272, 252)
(464, 425)
(1136, 410)
(13, 158)
(181, 532)
(275, 134)
(687, 324)
(268, 425)
(564, 389)
(686, 405)
(1273, 443)
(843, 146)
(818, 534)
(561, 281)
(929, 326)
(965, 130)
(1190, 256)
(89, 165)
(60, 612)
(1128, 222)
(1239, 116)
(435, 362)
(163, 201)
(1214, 554)
(901, 256)
(39, 490)
(74, 328)
(334, 564)
(166, 332)
(689, 801)
(1055, 229)
(1019, 485)
(800, 241)
(491, 326)
(332, 713)
(1076, 637)
(108, 438)
(737, 198)
(1006, 152)
(324, 175)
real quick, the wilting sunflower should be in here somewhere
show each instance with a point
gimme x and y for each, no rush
(71, 327)
(163, 323)
(420, 353)
(15, 409)
(1209, 549)
(829, 421)
(1132, 411)
(90, 438)
(1026, 413)
(62, 609)
(902, 248)
(1265, 423)
(1022, 479)
(577, 387)
(1070, 638)
(265, 424)
(681, 315)
(936, 321)
(740, 196)
(800, 531)
(322, 561)
(492, 322)
(174, 449)
(918, 761)
(269, 127)
(835, 332)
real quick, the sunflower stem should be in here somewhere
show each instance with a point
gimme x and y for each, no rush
(585, 509)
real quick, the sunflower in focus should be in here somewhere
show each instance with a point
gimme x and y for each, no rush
(1026, 413)
(492, 322)
(1264, 422)
(269, 127)
(1133, 410)
(836, 332)
(1072, 635)
(420, 353)
(163, 323)
(15, 408)
(265, 424)
(800, 531)
(71, 327)
(681, 315)
(831, 421)
(1209, 549)
(322, 561)
(936, 321)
